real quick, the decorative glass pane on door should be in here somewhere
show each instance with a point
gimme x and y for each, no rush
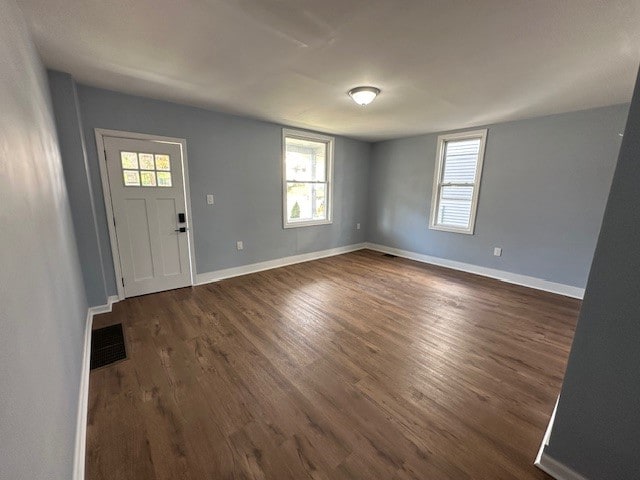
(141, 169)
(146, 161)
(164, 179)
(148, 179)
(129, 160)
(163, 163)
(131, 178)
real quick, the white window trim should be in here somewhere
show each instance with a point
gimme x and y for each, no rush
(302, 135)
(442, 139)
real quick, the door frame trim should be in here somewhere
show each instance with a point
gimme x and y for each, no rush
(101, 133)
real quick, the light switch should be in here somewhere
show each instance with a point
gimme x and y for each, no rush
(497, 251)
(210, 199)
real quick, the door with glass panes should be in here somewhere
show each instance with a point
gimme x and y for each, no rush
(149, 207)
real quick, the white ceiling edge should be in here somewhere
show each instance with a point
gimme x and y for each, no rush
(369, 138)
(440, 66)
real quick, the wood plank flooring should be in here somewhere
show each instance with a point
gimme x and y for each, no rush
(358, 366)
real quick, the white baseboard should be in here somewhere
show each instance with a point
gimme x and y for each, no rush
(83, 402)
(550, 465)
(515, 278)
(556, 469)
(217, 275)
(104, 308)
(547, 433)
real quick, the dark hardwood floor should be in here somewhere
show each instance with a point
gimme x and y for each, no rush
(358, 366)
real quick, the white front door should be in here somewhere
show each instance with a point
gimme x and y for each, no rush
(148, 200)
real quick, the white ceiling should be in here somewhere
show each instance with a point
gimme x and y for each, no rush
(441, 64)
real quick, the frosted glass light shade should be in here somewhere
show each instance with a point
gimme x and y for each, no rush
(364, 95)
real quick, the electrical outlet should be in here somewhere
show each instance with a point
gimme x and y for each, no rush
(210, 199)
(497, 252)
(357, 226)
(240, 245)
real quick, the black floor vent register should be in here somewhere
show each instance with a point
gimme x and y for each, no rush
(107, 346)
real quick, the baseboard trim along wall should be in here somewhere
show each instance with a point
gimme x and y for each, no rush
(556, 469)
(83, 402)
(508, 277)
(217, 275)
(550, 465)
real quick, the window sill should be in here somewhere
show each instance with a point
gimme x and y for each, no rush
(312, 223)
(444, 228)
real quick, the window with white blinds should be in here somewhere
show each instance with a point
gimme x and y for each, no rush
(457, 181)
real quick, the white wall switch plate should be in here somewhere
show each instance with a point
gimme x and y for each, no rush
(210, 199)
(497, 252)
(240, 245)
(357, 226)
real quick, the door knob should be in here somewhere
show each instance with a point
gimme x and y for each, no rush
(181, 229)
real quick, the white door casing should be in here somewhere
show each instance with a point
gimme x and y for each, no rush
(153, 254)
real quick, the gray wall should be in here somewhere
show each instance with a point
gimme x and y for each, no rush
(76, 170)
(42, 302)
(596, 426)
(542, 196)
(238, 160)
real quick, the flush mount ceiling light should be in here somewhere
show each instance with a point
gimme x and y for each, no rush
(364, 95)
